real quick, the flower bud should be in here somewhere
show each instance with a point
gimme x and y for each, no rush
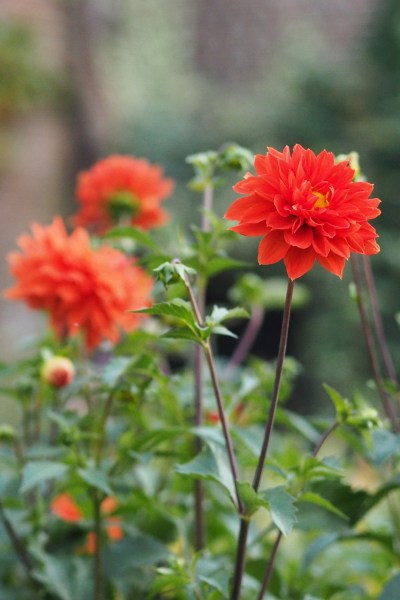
(58, 371)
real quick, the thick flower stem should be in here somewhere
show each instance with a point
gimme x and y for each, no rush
(369, 341)
(244, 525)
(270, 565)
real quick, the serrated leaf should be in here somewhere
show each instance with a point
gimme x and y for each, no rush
(40, 471)
(220, 313)
(283, 508)
(320, 501)
(181, 333)
(210, 464)
(95, 478)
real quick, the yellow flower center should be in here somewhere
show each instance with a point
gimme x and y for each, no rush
(322, 200)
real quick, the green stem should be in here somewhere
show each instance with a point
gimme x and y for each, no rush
(98, 549)
(270, 565)
(244, 525)
(369, 341)
(218, 396)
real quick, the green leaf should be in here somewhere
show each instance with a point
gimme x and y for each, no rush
(320, 501)
(134, 234)
(342, 405)
(95, 478)
(391, 589)
(215, 573)
(181, 311)
(40, 471)
(64, 576)
(251, 500)
(282, 507)
(210, 464)
(220, 313)
(131, 552)
(220, 263)
(385, 444)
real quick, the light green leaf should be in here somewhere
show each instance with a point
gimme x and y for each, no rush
(320, 501)
(134, 234)
(95, 478)
(251, 500)
(40, 471)
(212, 465)
(282, 507)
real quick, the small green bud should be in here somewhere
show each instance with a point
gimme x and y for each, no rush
(7, 433)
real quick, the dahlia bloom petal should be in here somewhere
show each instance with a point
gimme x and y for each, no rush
(83, 289)
(307, 208)
(122, 187)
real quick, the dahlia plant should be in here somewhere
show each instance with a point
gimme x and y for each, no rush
(146, 464)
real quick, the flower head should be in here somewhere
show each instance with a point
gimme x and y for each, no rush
(58, 371)
(122, 188)
(66, 509)
(307, 208)
(82, 289)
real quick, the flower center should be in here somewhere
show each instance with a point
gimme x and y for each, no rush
(122, 205)
(322, 200)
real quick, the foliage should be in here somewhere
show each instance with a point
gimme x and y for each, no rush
(126, 442)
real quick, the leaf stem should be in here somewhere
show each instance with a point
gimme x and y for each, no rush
(218, 396)
(18, 545)
(98, 549)
(371, 349)
(244, 525)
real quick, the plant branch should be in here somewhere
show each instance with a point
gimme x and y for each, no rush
(244, 525)
(270, 565)
(18, 545)
(369, 341)
(218, 395)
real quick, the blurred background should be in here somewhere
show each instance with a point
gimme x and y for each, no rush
(80, 79)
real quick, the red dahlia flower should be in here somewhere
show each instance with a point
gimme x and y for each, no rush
(122, 188)
(307, 208)
(83, 289)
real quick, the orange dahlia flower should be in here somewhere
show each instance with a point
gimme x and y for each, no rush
(307, 208)
(66, 508)
(122, 188)
(83, 289)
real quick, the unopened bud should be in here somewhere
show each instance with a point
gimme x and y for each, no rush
(58, 371)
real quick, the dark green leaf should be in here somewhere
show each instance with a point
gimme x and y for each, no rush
(320, 501)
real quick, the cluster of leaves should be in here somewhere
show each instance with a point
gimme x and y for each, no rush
(124, 429)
